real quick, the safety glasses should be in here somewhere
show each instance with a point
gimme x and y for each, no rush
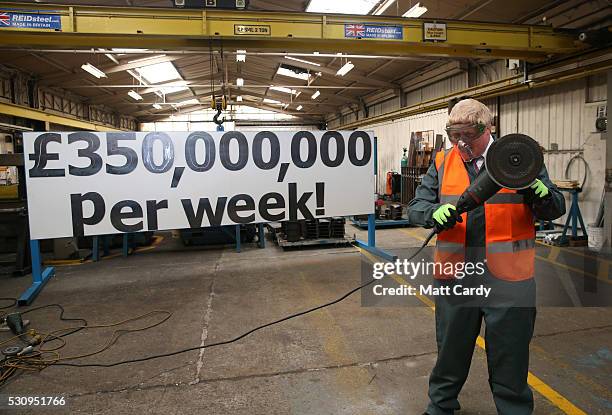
(464, 132)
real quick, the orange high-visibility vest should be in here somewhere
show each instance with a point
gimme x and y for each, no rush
(510, 230)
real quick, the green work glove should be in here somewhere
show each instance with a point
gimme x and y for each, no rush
(540, 189)
(446, 217)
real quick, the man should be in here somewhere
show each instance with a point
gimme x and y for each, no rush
(499, 234)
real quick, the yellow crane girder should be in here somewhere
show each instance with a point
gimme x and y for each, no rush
(15, 110)
(108, 27)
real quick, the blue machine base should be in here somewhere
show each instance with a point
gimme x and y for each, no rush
(30, 294)
(376, 251)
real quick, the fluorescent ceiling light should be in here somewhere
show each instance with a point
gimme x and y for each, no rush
(123, 51)
(272, 101)
(239, 98)
(159, 72)
(415, 11)
(299, 108)
(345, 69)
(192, 101)
(241, 55)
(316, 94)
(167, 90)
(88, 67)
(135, 95)
(239, 81)
(288, 72)
(146, 58)
(302, 60)
(283, 89)
(341, 7)
(383, 7)
(157, 106)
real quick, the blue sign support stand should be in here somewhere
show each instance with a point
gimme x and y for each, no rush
(39, 276)
(238, 238)
(261, 235)
(370, 246)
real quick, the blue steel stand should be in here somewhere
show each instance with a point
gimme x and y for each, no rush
(370, 246)
(126, 244)
(95, 249)
(574, 216)
(95, 254)
(238, 238)
(39, 276)
(261, 236)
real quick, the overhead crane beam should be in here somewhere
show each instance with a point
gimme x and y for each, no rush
(93, 27)
(39, 115)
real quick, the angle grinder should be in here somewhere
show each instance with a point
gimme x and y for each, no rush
(513, 161)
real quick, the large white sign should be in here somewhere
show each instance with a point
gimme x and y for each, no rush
(85, 183)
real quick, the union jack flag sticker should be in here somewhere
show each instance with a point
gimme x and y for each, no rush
(5, 19)
(354, 30)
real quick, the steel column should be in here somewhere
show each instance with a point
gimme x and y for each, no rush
(39, 276)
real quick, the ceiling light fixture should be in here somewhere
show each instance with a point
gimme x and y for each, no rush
(157, 106)
(316, 94)
(135, 95)
(88, 67)
(345, 69)
(239, 82)
(383, 7)
(415, 11)
(283, 89)
(342, 7)
(299, 108)
(302, 60)
(272, 101)
(241, 55)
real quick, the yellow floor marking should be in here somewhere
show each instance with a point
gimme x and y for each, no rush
(579, 377)
(600, 274)
(575, 252)
(536, 383)
(416, 234)
(554, 253)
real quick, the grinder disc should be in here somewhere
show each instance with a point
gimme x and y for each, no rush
(514, 161)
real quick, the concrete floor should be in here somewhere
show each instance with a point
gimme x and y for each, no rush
(342, 360)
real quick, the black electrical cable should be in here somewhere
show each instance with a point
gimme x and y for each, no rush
(12, 300)
(221, 343)
(61, 317)
(586, 168)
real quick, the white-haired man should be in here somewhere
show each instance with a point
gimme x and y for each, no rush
(499, 234)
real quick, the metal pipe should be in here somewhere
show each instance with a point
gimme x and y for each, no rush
(199, 52)
(132, 86)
